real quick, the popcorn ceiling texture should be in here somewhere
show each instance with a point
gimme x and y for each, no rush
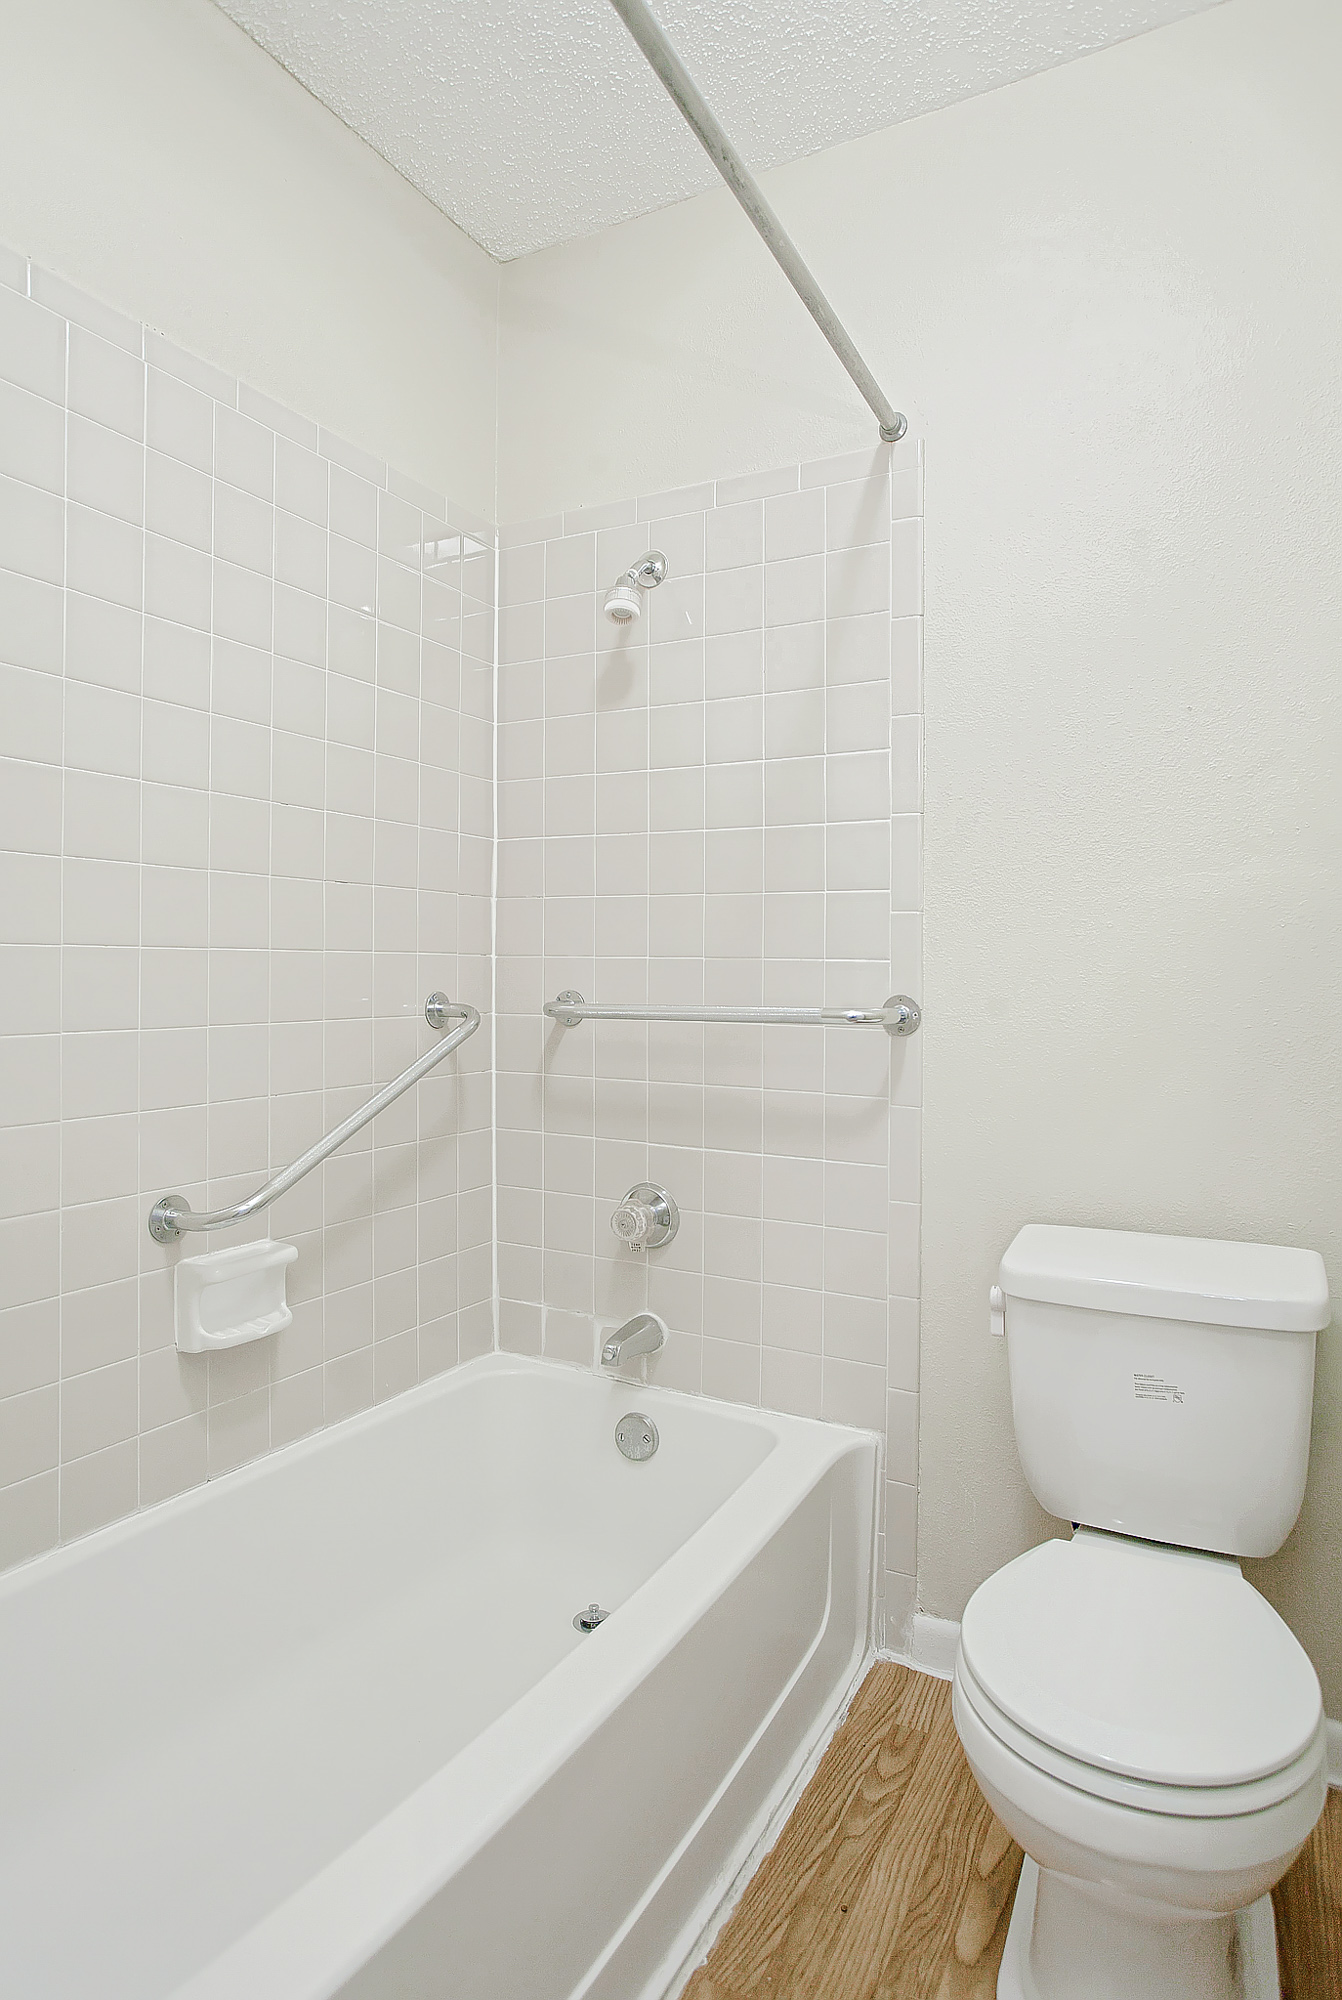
(533, 121)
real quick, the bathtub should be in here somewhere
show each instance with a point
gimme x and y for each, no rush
(326, 1726)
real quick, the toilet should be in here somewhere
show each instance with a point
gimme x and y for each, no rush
(1137, 1715)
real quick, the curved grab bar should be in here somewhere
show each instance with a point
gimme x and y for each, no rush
(172, 1215)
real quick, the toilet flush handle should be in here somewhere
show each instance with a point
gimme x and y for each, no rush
(996, 1311)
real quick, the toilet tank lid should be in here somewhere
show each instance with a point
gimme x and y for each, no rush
(1169, 1277)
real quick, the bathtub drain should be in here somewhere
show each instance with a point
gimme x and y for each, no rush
(588, 1620)
(636, 1436)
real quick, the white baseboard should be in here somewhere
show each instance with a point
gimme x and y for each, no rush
(931, 1645)
(931, 1649)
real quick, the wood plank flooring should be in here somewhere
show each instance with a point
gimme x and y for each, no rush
(1308, 1903)
(892, 1880)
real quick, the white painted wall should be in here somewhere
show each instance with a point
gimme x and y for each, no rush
(1110, 297)
(152, 154)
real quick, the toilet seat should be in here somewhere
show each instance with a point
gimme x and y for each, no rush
(1152, 1676)
(1144, 1794)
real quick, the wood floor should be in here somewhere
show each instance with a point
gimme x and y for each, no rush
(1308, 1903)
(892, 1880)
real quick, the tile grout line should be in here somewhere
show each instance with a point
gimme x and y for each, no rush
(61, 972)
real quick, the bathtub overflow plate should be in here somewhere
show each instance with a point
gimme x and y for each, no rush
(636, 1436)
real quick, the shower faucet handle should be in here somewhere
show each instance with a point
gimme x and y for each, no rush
(633, 1222)
(646, 1218)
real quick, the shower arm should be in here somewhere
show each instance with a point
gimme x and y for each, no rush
(648, 571)
(685, 95)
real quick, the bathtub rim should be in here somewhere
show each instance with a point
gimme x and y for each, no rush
(127, 1527)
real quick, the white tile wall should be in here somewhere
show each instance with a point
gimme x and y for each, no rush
(721, 805)
(246, 807)
(245, 826)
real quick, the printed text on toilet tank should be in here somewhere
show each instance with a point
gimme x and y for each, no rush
(1155, 1389)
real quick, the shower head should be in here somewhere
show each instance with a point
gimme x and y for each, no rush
(623, 603)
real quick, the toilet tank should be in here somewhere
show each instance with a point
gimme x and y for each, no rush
(1161, 1386)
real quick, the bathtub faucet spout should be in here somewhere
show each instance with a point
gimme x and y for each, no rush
(644, 1334)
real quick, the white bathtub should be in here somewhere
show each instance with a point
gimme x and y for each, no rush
(326, 1727)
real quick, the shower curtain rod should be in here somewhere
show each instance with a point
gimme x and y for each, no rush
(685, 95)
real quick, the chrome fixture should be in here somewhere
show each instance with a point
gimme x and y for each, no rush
(636, 1435)
(172, 1215)
(646, 1218)
(643, 1334)
(898, 1016)
(588, 1620)
(623, 604)
(646, 31)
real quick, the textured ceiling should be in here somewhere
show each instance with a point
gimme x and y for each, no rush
(531, 121)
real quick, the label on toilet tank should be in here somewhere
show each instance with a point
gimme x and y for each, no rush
(1155, 1389)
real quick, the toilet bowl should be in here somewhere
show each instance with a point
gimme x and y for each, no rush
(1151, 1733)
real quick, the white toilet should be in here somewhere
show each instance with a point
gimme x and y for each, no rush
(1138, 1717)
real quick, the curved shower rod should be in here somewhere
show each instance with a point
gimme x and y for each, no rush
(172, 1214)
(646, 30)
